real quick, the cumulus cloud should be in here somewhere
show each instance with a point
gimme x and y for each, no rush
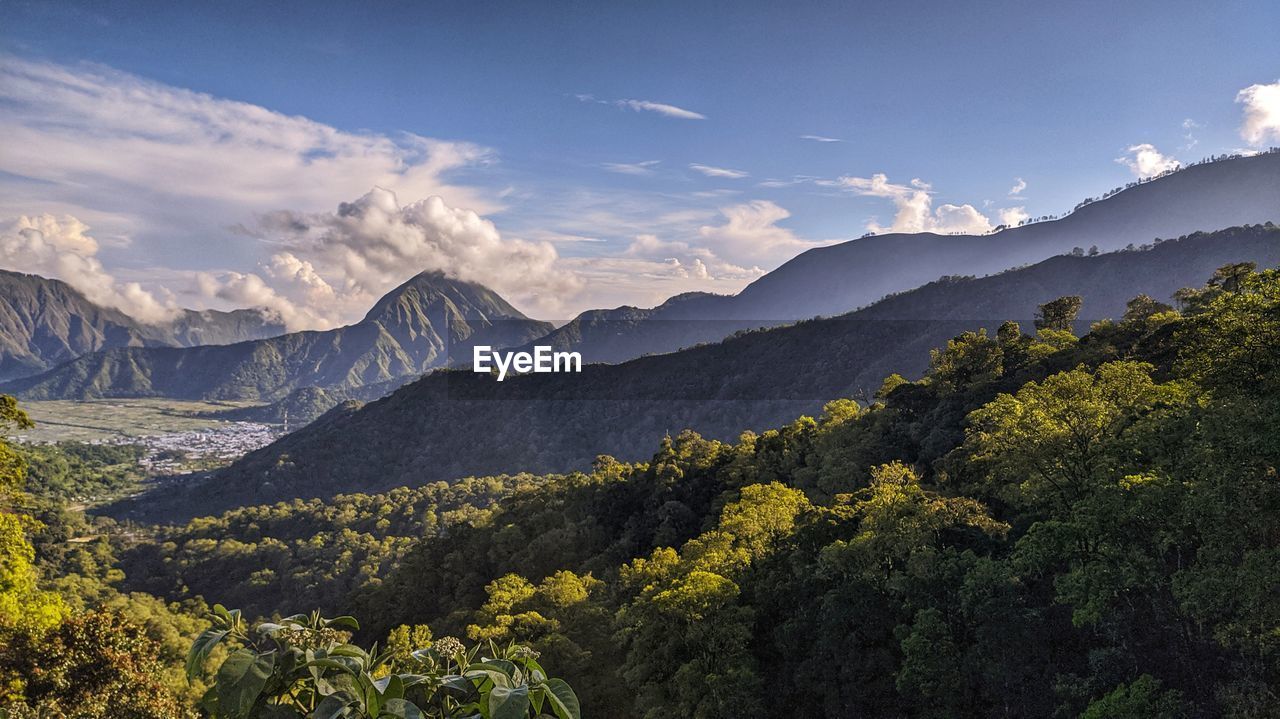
(61, 248)
(1145, 160)
(914, 206)
(1019, 185)
(1013, 216)
(341, 262)
(661, 108)
(1261, 113)
(687, 261)
(170, 169)
(724, 172)
(750, 234)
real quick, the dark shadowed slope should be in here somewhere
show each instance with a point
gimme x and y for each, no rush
(412, 329)
(836, 279)
(452, 424)
(45, 322)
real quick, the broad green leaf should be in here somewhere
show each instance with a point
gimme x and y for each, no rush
(401, 709)
(343, 622)
(481, 673)
(336, 706)
(390, 687)
(241, 679)
(507, 703)
(200, 650)
(563, 700)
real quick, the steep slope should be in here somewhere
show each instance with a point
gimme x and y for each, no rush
(45, 322)
(836, 279)
(413, 328)
(458, 423)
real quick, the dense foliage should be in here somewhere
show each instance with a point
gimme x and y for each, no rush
(1042, 525)
(80, 470)
(304, 667)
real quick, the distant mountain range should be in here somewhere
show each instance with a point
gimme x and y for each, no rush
(57, 345)
(838, 278)
(44, 323)
(415, 327)
(452, 424)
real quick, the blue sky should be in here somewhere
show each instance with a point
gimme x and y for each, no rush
(622, 151)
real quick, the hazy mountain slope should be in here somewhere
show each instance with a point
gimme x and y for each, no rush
(457, 423)
(45, 322)
(835, 279)
(410, 330)
(839, 278)
(215, 327)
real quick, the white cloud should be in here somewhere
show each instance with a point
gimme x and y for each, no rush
(1146, 161)
(1012, 216)
(914, 206)
(660, 108)
(750, 234)
(341, 262)
(724, 172)
(1019, 185)
(631, 168)
(1261, 113)
(170, 169)
(61, 248)
(241, 289)
(820, 138)
(877, 185)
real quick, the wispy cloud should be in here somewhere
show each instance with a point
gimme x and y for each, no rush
(820, 138)
(631, 168)
(1019, 185)
(722, 172)
(661, 108)
(1189, 127)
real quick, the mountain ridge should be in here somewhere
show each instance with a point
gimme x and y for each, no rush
(411, 329)
(835, 279)
(427, 430)
(45, 322)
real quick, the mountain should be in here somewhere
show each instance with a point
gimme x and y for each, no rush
(45, 322)
(413, 328)
(838, 278)
(455, 423)
(215, 327)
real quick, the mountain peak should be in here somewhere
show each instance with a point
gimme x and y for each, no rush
(432, 291)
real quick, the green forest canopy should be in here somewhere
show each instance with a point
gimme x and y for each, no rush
(1043, 525)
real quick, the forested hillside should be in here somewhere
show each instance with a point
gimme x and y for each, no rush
(1042, 525)
(427, 431)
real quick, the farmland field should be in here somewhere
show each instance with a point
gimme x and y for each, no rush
(119, 419)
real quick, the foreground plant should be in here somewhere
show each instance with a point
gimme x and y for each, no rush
(304, 667)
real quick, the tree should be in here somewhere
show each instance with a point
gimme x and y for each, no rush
(1059, 314)
(23, 605)
(968, 359)
(92, 666)
(1048, 443)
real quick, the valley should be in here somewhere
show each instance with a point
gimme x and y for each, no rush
(661, 360)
